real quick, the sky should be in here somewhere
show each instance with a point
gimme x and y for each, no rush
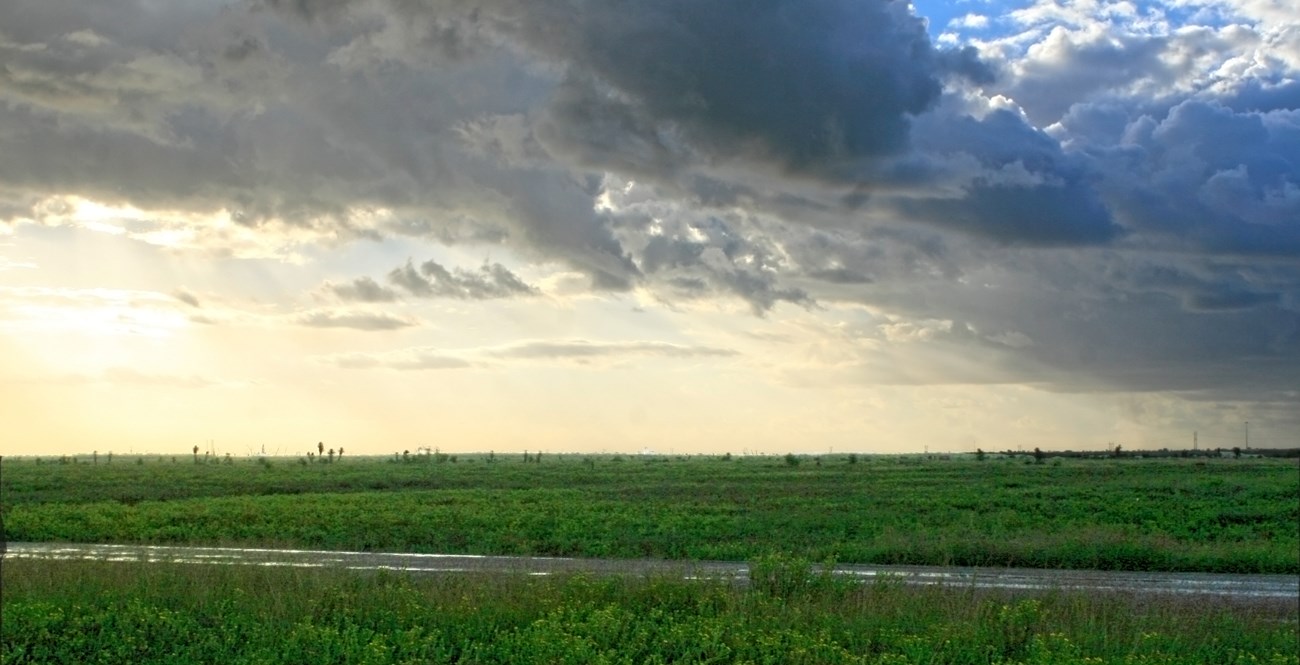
(681, 226)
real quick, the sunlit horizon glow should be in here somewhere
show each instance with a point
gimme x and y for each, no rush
(251, 225)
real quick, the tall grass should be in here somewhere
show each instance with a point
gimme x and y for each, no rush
(95, 612)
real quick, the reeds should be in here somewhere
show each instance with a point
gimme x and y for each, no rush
(97, 612)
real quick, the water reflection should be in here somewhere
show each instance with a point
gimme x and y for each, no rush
(1238, 586)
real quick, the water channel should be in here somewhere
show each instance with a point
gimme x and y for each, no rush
(1243, 587)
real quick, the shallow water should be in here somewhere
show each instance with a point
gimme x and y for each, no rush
(1245, 587)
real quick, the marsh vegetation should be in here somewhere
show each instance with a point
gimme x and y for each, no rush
(1235, 515)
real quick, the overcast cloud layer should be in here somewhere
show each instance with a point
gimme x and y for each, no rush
(1080, 196)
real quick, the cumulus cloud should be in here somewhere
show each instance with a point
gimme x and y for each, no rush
(1221, 181)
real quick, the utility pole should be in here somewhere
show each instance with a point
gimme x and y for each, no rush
(1195, 444)
(1247, 434)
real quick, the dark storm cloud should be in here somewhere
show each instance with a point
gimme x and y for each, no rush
(1201, 177)
(432, 280)
(807, 84)
(1037, 214)
(1121, 320)
(1207, 287)
(1021, 187)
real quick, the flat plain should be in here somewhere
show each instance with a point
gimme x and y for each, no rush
(780, 514)
(1205, 515)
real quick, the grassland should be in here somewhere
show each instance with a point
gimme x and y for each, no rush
(1218, 515)
(94, 612)
(1206, 515)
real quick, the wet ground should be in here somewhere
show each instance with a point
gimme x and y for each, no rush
(1240, 587)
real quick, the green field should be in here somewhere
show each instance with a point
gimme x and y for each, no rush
(778, 513)
(84, 612)
(1177, 515)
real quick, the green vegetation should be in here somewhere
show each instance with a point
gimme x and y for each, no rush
(1228, 515)
(96, 612)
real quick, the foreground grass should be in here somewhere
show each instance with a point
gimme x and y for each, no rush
(1218, 515)
(96, 612)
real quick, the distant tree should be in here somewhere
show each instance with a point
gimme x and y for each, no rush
(94, 457)
(340, 451)
(1118, 450)
(320, 447)
(1236, 452)
(791, 460)
(331, 455)
(979, 454)
(196, 454)
(406, 455)
(1038, 456)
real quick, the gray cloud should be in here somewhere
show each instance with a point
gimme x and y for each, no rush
(802, 84)
(408, 360)
(187, 298)
(362, 289)
(1202, 177)
(581, 349)
(353, 319)
(574, 350)
(722, 262)
(432, 280)
(839, 276)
